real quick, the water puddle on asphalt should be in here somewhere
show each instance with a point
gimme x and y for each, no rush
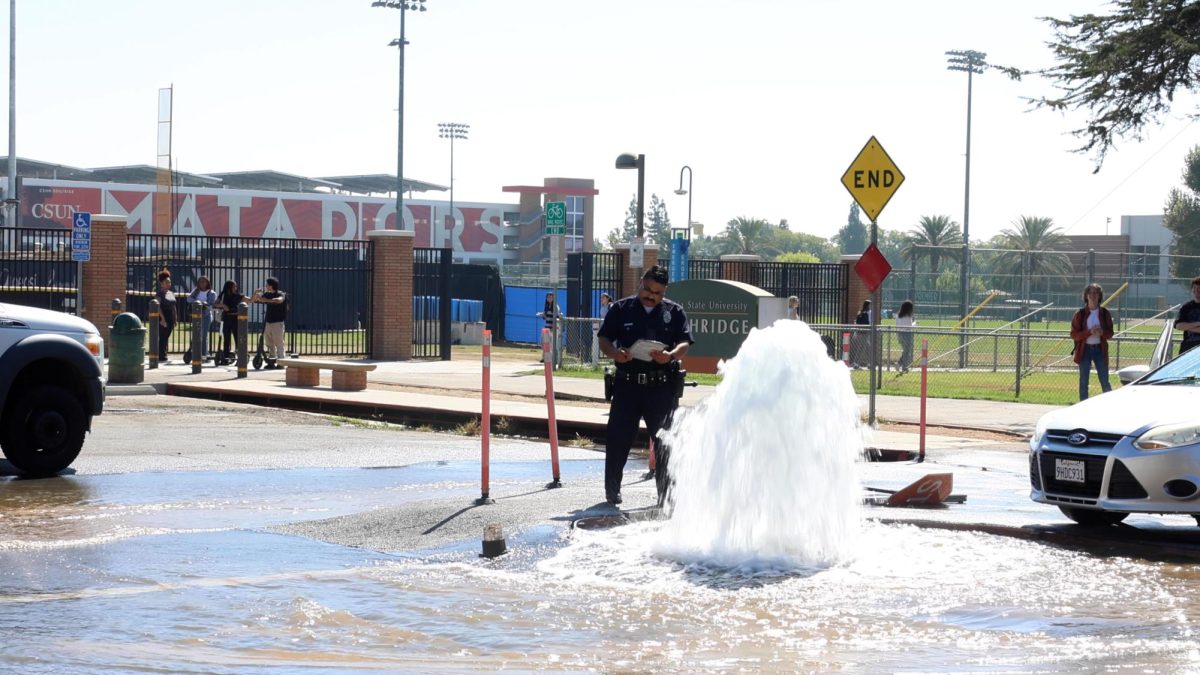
(767, 565)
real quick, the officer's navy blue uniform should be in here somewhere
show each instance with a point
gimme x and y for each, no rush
(643, 389)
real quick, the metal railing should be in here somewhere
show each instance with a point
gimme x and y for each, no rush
(36, 268)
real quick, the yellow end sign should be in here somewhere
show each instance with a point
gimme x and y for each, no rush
(872, 178)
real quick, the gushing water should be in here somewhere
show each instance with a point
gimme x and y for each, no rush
(764, 468)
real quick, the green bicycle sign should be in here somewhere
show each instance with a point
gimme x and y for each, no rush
(556, 217)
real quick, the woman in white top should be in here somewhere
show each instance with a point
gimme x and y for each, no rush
(1091, 329)
(203, 292)
(794, 308)
(905, 323)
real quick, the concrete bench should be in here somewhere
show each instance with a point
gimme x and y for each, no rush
(347, 375)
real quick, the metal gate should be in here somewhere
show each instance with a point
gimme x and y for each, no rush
(327, 285)
(431, 303)
(822, 288)
(36, 268)
(589, 275)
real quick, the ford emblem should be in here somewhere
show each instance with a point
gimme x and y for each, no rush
(1077, 438)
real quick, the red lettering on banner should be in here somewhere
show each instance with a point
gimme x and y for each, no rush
(474, 236)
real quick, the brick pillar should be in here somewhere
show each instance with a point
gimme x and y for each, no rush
(739, 267)
(631, 279)
(391, 294)
(104, 276)
(856, 291)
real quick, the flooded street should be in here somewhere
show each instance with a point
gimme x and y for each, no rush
(179, 572)
(366, 557)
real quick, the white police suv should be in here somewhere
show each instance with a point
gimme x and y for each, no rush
(51, 385)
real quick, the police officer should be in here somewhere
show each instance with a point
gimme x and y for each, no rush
(643, 389)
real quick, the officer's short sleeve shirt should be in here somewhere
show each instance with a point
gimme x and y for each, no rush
(628, 321)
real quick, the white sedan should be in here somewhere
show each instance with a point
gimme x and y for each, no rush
(1132, 450)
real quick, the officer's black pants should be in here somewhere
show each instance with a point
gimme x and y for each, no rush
(633, 402)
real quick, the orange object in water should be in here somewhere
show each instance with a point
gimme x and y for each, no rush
(929, 490)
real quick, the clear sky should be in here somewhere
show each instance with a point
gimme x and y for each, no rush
(767, 100)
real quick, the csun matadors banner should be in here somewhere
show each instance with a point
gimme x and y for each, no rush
(253, 213)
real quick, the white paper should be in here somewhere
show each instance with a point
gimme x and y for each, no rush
(641, 349)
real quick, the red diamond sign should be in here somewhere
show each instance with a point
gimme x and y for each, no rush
(872, 268)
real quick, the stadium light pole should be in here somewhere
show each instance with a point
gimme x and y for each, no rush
(453, 130)
(10, 201)
(687, 192)
(970, 62)
(404, 6)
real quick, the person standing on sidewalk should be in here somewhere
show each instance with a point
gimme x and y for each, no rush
(273, 333)
(904, 326)
(1189, 319)
(168, 313)
(645, 386)
(203, 292)
(1091, 329)
(228, 303)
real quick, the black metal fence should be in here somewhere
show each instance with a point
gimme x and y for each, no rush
(822, 288)
(36, 268)
(431, 302)
(327, 284)
(589, 275)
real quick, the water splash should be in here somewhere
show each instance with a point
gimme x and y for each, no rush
(764, 468)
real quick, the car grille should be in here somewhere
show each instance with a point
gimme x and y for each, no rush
(1095, 439)
(1122, 484)
(1035, 477)
(1093, 472)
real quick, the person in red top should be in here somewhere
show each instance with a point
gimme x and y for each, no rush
(1091, 329)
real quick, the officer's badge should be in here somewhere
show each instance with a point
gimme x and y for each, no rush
(666, 316)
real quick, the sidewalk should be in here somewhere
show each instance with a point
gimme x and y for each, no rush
(449, 391)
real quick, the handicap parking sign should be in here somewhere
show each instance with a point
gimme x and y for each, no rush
(81, 237)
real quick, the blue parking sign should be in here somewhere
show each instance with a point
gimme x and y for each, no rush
(81, 237)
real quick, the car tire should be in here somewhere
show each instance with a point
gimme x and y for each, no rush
(1092, 517)
(43, 430)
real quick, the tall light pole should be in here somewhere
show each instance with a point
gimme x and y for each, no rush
(404, 6)
(10, 202)
(687, 192)
(453, 130)
(630, 161)
(971, 62)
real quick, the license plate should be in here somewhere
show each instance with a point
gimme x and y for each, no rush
(1069, 470)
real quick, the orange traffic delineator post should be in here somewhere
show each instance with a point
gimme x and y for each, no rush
(651, 463)
(485, 421)
(924, 392)
(547, 358)
(930, 490)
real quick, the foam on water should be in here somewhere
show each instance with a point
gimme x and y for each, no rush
(765, 468)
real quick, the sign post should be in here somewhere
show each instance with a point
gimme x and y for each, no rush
(872, 179)
(81, 252)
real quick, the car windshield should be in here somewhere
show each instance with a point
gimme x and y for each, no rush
(1183, 369)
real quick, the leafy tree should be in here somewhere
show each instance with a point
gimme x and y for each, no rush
(704, 248)
(658, 223)
(628, 231)
(891, 244)
(1039, 236)
(852, 238)
(797, 257)
(789, 241)
(599, 246)
(1124, 68)
(748, 236)
(933, 239)
(1181, 216)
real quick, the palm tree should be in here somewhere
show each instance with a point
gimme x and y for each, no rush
(1039, 237)
(935, 238)
(748, 235)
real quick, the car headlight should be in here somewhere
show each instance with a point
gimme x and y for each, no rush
(94, 344)
(1038, 432)
(1170, 436)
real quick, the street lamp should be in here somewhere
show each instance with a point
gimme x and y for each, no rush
(687, 192)
(453, 130)
(10, 202)
(969, 62)
(404, 6)
(630, 161)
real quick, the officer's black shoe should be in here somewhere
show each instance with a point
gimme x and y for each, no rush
(613, 499)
